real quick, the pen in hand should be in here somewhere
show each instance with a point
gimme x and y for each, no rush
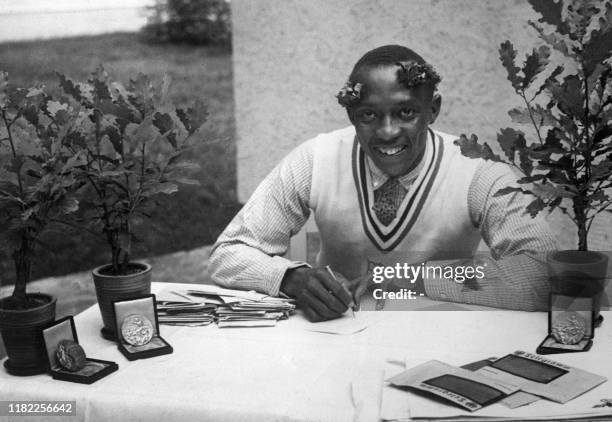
(329, 270)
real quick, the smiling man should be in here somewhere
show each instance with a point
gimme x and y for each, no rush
(387, 191)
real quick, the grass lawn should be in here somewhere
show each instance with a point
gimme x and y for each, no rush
(193, 217)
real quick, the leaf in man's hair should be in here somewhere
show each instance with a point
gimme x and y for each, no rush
(535, 63)
(507, 55)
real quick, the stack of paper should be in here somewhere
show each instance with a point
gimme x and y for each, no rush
(185, 313)
(517, 386)
(261, 312)
(230, 308)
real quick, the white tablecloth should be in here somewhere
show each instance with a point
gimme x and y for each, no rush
(287, 373)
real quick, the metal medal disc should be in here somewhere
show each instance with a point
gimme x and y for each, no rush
(70, 355)
(569, 327)
(137, 330)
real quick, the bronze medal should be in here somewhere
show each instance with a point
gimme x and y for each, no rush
(136, 330)
(70, 355)
(569, 328)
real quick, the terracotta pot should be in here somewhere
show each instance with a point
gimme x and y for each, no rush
(110, 288)
(579, 274)
(22, 335)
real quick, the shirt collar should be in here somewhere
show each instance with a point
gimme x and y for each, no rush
(379, 177)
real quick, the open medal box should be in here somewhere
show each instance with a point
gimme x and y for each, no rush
(571, 324)
(137, 328)
(67, 360)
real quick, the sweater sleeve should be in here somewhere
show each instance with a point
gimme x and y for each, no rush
(515, 275)
(248, 254)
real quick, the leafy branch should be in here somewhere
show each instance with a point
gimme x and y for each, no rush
(134, 143)
(36, 184)
(571, 166)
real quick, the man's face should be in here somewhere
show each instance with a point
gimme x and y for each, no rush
(391, 121)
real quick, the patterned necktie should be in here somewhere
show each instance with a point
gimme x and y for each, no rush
(387, 200)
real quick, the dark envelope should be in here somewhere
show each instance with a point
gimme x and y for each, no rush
(541, 376)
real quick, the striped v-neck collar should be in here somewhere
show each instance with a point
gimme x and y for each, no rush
(386, 238)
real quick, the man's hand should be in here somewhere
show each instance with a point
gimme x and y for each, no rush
(359, 285)
(317, 293)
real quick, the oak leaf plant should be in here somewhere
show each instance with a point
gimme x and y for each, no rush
(567, 163)
(37, 185)
(128, 146)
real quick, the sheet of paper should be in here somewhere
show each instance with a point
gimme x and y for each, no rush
(173, 295)
(425, 408)
(462, 387)
(209, 289)
(518, 399)
(345, 325)
(542, 376)
(394, 404)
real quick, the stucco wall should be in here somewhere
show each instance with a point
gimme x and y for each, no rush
(292, 56)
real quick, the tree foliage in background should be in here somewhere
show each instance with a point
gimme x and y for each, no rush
(189, 21)
(568, 165)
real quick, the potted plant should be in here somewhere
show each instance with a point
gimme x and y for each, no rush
(130, 145)
(567, 165)
(36, 188)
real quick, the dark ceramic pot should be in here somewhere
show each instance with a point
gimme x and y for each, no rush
(22, 335)
(579, 274)
(110, 288)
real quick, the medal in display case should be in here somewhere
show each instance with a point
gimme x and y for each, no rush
(137, 328)
(67, 359)
(571, 324)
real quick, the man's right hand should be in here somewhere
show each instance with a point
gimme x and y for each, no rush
(316, 292)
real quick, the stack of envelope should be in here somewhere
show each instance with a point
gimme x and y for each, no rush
(249, 313)
(185, 313)
(518, 386)
(230, 308)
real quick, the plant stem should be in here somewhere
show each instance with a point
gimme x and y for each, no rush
(537, 128)
(23, 265)
(13, 150)
(581, 223)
